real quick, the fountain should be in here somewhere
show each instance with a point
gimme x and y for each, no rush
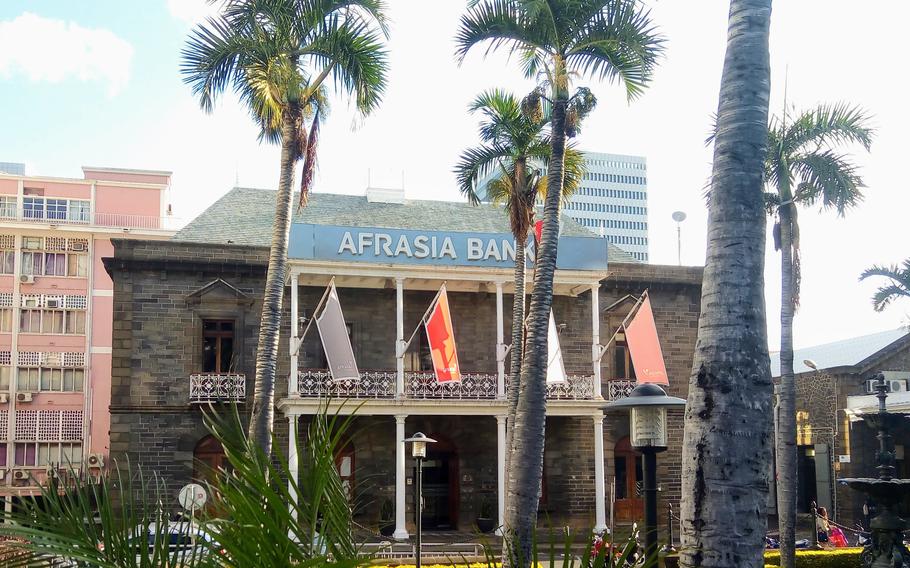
(886, 547)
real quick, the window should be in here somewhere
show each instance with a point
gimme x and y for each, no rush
(35, 454)
(7, 207)
(28, 379)
(70, 322)
(60, 380)
(79, 210)
(33, 207)
(3, 454)
(54, 263)
(5, 373)
(56, 209)
(622, 359)
(77, 265)
(217, 346)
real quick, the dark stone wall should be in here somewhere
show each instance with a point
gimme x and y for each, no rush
(160, 300)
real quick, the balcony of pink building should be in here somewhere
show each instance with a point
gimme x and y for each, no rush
(86, 218)
(380, 384)
(208, 388)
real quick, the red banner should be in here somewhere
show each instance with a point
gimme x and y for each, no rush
(442, 341)
(644, 347)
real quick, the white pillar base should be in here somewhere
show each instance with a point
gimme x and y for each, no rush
(501, 471)
(600, 514)
(401, 531)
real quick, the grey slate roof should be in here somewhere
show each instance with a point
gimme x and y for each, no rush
(844, 353)
(244, 216)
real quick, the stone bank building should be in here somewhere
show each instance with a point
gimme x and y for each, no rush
(186, 315)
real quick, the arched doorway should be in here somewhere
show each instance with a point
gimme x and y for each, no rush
(440, 485)
(208, 459)
(628, 471)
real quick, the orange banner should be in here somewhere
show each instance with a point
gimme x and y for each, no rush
(442, 341)
(644, 347)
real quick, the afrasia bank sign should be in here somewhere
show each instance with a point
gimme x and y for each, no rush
(400, 246)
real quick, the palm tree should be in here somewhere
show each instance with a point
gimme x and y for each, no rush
(727, 439)
(556, 41)
(803, 167)
(899, 287)
(512, 158)
(277, 56)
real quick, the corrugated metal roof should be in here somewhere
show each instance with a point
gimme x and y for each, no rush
(843, 353)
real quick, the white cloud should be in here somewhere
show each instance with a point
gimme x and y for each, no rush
(193, 11)
(52, 51)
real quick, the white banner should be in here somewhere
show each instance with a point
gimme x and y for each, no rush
(335, 340)
(556, 371)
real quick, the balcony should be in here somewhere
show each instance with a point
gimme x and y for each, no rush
(217, 387)
(84, 218)
(315, 383)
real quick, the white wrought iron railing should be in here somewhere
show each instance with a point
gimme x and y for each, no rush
(619, 388)
(423, 386)
(217, 387)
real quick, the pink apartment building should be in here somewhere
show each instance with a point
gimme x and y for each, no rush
(56, 308)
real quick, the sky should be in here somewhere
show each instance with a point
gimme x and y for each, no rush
(97, 83)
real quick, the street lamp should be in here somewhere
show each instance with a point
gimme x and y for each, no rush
(648, 403)
(419, 443)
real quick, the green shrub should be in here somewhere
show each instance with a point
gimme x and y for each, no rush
(836, 558)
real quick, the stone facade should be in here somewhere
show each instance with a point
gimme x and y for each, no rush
(821, 398)
(163, 292)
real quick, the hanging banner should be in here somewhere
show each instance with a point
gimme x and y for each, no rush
(441, 338)
(336, 342)
(556, 370)
(644, 347)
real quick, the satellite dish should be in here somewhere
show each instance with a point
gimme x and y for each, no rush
(679, 216)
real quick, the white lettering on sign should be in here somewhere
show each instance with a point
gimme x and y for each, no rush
(424, 246)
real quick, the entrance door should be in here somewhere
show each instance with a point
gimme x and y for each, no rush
(440, 486)
(805, 481)
(629, 506)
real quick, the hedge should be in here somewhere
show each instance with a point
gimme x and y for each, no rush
(836, 558)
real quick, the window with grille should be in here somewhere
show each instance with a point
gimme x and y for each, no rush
(48, 425)
(33, 207)
(6, 320)
(55, 256)
(52, 379)
(54, 454)
(5, 374)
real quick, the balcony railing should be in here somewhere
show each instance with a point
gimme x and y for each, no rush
(619, 388)
(423, 386)
(217, 387)
(112, 220)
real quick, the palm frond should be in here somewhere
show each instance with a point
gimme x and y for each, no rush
(476, 163)
(209, 59)
(618, 43)
(828, 178)
(828, 125)
(899, 287)
(499, 22)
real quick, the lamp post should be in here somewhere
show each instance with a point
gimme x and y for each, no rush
(648, 403)
(419, 443)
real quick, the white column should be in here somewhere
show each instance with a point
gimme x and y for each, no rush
(292, 376)
(401, 530)
(500, 346)
(600, 516)
(293, 462)
(399, 340)
(595, 338)
(501, 470)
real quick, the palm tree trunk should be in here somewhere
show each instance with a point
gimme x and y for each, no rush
(530, 417)
(786, 435)
(727, 441)
(263, 415)
(517, 350)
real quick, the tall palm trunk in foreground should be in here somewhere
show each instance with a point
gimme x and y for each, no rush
(727, 441)
(530, 417)
(786, 414)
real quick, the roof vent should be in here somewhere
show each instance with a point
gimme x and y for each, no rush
(386, 194)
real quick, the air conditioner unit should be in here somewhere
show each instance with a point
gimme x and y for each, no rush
(2, 474)
(95, 461)
(26, 279)
(51, 472)
(4, 398)
(53, 303)
(898, 386)
(20, 474)
(77, 246)
(23, 397)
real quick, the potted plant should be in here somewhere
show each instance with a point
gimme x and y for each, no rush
(387, 518)
(485, 516)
